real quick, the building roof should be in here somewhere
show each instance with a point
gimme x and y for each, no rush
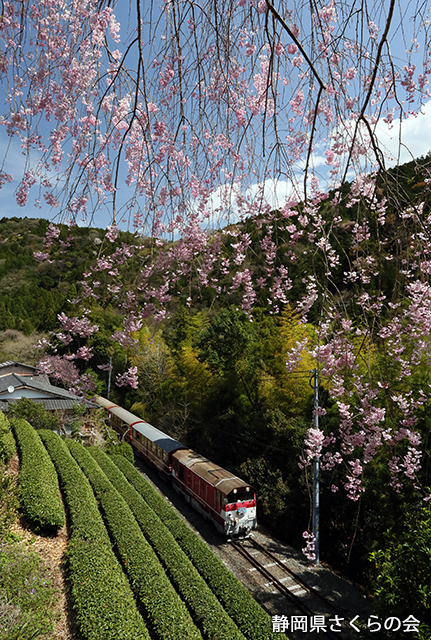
(12, 366)
(13, 387)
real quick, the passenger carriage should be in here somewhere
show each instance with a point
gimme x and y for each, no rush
(151, 444)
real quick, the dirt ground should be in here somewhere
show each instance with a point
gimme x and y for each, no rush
(51, 550)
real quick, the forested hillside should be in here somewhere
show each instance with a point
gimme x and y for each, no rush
(214, 375)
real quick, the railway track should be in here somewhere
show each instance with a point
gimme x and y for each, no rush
(300, 595)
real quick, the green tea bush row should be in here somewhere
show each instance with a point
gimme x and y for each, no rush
(102, 599)
(206, 610)
(248, 615)
(7, 442)
(86, 523)
(165, 612)
(38, 484)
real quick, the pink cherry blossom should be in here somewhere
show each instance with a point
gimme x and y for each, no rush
(186, 137)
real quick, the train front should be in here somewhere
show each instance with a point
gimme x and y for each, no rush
(239, 507)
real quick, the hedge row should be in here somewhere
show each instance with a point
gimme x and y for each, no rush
(206, 610)
(248, 615)
(165, 612)
(7, 442)
(102, 599)
(38, 484)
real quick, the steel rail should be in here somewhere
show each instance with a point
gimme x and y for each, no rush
(297, 578)
(296, 600)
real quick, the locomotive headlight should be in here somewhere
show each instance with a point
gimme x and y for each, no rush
(235, 491)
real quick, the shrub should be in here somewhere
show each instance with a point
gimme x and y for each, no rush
(8, 502)
(164, 610)
(206, 610)
(85, 520)
(121, 449)
(38, 484)
(402, 572)
(27, 593)
(248, 615)
(102, 599)
(35, 414)
(7, 443)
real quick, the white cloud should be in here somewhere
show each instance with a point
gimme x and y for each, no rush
(408, 139)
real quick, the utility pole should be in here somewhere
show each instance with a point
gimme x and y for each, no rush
(109, 376)
(314, 384)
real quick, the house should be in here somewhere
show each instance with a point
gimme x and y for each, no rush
(18, 380)
(17, 367)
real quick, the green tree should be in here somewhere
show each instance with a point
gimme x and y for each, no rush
(35, 414)
(402, 571)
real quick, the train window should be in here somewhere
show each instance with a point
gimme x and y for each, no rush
(134, 433)
(181, 472)
(175, 464)
(165, 456)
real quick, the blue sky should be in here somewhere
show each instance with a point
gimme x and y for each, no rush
(413, 144)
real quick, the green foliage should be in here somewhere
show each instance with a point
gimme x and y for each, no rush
(207, 612)
(27, 594)
(86, 523)
(8, 502)
(272, 491)
(8, 491)
(249, 617)
(38, 484)
(103, 602)
(121, 449)
(7, 443)
(165, 613)
(35, 414)
(226, 340)
(402, 570)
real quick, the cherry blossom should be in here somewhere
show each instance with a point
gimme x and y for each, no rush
(194, 114)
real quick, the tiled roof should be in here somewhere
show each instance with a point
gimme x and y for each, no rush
(14, 363)
(54, 397)
(53, 404)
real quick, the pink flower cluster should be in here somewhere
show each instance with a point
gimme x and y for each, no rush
(309, 550)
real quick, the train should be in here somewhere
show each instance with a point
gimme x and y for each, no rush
(217, 494)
